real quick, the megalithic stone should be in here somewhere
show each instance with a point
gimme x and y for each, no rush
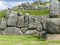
(12, 19)
(20, 21)
(54, 9)
(32, 32)
(26, 20)
(41, 23)
(3, 23)
(32, 23)
(12, 31)
(53, 26)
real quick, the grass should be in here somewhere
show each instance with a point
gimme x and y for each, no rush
(31, 12)
(35, 12)
(2, 14)
(24, 40)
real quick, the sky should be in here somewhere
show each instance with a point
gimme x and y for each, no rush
(4, 4)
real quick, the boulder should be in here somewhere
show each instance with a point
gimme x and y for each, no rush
(20, 21)
(32, 32)
(26, 20)
(3, 23)
(53, 25)
(54, 9)
(12, 31)
(12, 19)
(41, 23)
(32, 23)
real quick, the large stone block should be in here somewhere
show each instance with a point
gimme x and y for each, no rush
(26, 20)
(41, 23)
(32, 32)
(53, 25)
(32, 23)
(54, 9)
(12, 19)
(3, 23)
(12, 31)
(20, 21)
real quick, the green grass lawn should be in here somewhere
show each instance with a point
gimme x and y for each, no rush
(24, 40)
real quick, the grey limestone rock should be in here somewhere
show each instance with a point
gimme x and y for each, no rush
(20, 21)
(3, 23)
(32, 32)
(53, 25)
(12, 31)
(12, 19)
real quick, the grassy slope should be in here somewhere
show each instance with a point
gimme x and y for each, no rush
(2, 14)
(35, 12)
(24, 40)
(31, 12)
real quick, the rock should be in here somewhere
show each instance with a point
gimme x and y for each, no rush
(32, 23)
(41, 23)
(24, 29)
(54, 9)
(53, 25)
(26, 20)
(32, 32)
(12, 19)
(3, 23)
(20, 21)
(12, 31)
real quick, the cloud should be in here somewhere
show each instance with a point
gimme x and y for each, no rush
(6, 4)
(3, 5)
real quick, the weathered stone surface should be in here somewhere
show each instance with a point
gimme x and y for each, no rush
(24, 29)
(53, 25)
(41, 23)
(12, 31)
(32, 23)
(12, 19)
(26, 20)
(20, 21)
(54, 9)
(32, 32)
(3, 23)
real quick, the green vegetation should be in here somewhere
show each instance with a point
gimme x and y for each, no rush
(31, 12)
(2, 14)
(35, 12)
(24, 40)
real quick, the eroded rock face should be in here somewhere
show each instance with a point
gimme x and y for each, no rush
(53, 25)
(12, 31)
(12, 19)
(3, 23)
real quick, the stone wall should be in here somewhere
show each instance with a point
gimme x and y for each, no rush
(22, 25)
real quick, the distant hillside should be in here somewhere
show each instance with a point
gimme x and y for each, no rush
(30, 8)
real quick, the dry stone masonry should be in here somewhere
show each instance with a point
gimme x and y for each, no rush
(32, 25)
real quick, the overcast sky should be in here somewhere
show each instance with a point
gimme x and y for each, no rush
(4, 4)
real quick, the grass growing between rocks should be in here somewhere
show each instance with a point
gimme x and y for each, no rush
(24, 40)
